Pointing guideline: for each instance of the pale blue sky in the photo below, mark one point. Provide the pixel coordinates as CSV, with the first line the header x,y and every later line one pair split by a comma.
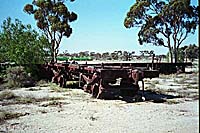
x,y
99,26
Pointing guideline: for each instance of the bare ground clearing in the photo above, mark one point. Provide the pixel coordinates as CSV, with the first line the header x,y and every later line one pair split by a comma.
x,y
172,105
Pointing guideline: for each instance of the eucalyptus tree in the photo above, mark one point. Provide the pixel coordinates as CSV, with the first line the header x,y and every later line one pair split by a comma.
x,y
163,22
125,55
105,55
84,53
52,17
98,56
192,52
119,54
114,55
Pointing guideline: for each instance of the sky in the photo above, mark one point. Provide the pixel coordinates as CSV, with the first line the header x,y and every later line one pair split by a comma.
x,y
99,27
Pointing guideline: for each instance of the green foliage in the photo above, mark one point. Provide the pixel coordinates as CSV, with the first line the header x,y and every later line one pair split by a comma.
x,y
172,20
52,17
192,52
181,54
22,45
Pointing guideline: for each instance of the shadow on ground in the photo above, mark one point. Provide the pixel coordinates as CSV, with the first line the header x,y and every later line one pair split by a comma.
x,y
148,96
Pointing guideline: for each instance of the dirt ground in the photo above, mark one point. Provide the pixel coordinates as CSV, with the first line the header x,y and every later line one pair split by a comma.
x,y
171,106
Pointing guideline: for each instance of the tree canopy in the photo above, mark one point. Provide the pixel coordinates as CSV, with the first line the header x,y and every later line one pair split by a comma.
x,y
22,45
163,23
190,52
52,17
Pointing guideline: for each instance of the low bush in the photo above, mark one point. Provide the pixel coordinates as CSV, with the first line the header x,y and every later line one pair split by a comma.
x,y
17,77
42,83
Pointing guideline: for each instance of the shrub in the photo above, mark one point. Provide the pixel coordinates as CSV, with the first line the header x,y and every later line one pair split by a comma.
x,y
42,83
17,77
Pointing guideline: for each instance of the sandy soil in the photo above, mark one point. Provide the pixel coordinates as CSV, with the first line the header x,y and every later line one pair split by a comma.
x,y
171,106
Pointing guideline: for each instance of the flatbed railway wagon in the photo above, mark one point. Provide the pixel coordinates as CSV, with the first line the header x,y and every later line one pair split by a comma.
x,y
103,80
109,80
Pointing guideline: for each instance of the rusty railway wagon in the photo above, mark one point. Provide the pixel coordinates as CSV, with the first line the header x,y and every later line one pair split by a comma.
x,y
109,80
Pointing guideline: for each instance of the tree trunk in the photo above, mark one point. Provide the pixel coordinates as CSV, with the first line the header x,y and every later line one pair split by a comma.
x,y
171,55
54,56
53,53
175,55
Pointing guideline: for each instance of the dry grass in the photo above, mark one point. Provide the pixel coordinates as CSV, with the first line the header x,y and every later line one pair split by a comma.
x,y
189,86
72,84
11,98
34,89
26,100
42,83
7,94
172,101
53,103
155,82
4,115
55,88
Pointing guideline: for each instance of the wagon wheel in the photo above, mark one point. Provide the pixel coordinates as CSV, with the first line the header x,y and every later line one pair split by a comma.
x,y
64,83
100,94
95,91
99,90
61,81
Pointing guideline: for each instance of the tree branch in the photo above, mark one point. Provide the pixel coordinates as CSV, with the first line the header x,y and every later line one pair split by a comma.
x,y
183,38
59,40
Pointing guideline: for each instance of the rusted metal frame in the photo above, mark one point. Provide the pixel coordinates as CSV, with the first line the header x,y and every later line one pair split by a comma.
x,y
88,75
137,76
91,83
105,86
96,88
59,76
